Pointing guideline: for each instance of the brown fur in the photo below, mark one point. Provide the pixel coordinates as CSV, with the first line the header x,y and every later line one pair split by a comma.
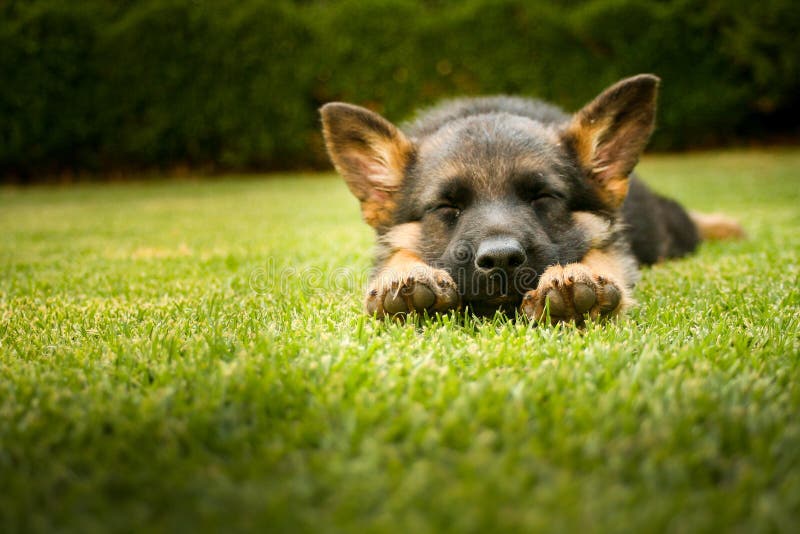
x,y
608,141
508,204
404,281
715,226
371,154
598,229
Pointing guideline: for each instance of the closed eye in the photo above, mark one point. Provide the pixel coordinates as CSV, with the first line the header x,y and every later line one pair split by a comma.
x,y
535,187
545,195
447,211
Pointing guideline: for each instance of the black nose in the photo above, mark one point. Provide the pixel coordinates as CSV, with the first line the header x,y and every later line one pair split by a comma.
x,y
500,253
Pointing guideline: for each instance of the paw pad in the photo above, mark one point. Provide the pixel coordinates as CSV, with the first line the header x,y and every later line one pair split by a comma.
x,y
570,294
426,289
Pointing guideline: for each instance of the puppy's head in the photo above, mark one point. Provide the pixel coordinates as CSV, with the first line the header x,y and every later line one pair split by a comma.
x,y
499,197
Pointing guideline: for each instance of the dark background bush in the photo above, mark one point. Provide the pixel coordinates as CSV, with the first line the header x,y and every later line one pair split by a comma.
x,y
96,86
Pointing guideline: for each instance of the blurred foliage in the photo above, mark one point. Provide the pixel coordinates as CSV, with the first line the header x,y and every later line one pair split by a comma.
x,y
99,85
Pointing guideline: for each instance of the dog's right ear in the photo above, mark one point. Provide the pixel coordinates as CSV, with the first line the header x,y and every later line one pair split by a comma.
x,y
371,154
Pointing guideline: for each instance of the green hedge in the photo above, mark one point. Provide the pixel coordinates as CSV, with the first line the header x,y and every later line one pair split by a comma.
x,y
103,85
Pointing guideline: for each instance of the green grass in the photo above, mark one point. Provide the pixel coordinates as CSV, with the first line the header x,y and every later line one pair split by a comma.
x,y
191,355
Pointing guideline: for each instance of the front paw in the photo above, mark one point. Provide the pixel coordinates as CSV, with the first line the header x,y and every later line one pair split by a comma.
x,y
421,288
572,292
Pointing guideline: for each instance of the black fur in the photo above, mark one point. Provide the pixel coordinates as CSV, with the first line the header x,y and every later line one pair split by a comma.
x,y
657,228
490,167
499,201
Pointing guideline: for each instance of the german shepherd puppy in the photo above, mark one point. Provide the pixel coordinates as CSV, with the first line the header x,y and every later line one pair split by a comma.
x,y
507,204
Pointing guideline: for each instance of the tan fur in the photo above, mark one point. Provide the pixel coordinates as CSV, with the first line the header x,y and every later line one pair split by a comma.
x,y
609,133
393,156
372,161
715,226
402,265
403,274
410,285
597,228
402,261
605,274
401,237
404,236
616,267
585,135
615,189
606,137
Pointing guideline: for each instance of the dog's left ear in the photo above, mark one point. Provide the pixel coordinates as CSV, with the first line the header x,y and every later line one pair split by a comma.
x,y
371,154
609,134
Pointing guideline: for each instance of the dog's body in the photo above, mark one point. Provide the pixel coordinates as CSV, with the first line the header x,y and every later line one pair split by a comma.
x,y
505,203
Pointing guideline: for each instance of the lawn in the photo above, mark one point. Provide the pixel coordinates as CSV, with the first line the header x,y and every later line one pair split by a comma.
x,y
190,355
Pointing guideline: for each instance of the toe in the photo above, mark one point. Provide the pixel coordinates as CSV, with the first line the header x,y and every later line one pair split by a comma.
x,y
557,305
583,297
448,299
529,305
394,303
422,298
446,294
372,306
611,298
373,302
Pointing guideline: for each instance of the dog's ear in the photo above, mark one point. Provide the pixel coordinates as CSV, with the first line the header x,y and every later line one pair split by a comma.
x,y
371,154
610,133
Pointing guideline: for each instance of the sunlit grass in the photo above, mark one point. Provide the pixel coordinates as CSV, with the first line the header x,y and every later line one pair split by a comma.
x,y
191,355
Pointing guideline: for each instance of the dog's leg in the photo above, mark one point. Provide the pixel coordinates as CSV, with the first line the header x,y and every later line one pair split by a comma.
x,y
599,286
403,283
